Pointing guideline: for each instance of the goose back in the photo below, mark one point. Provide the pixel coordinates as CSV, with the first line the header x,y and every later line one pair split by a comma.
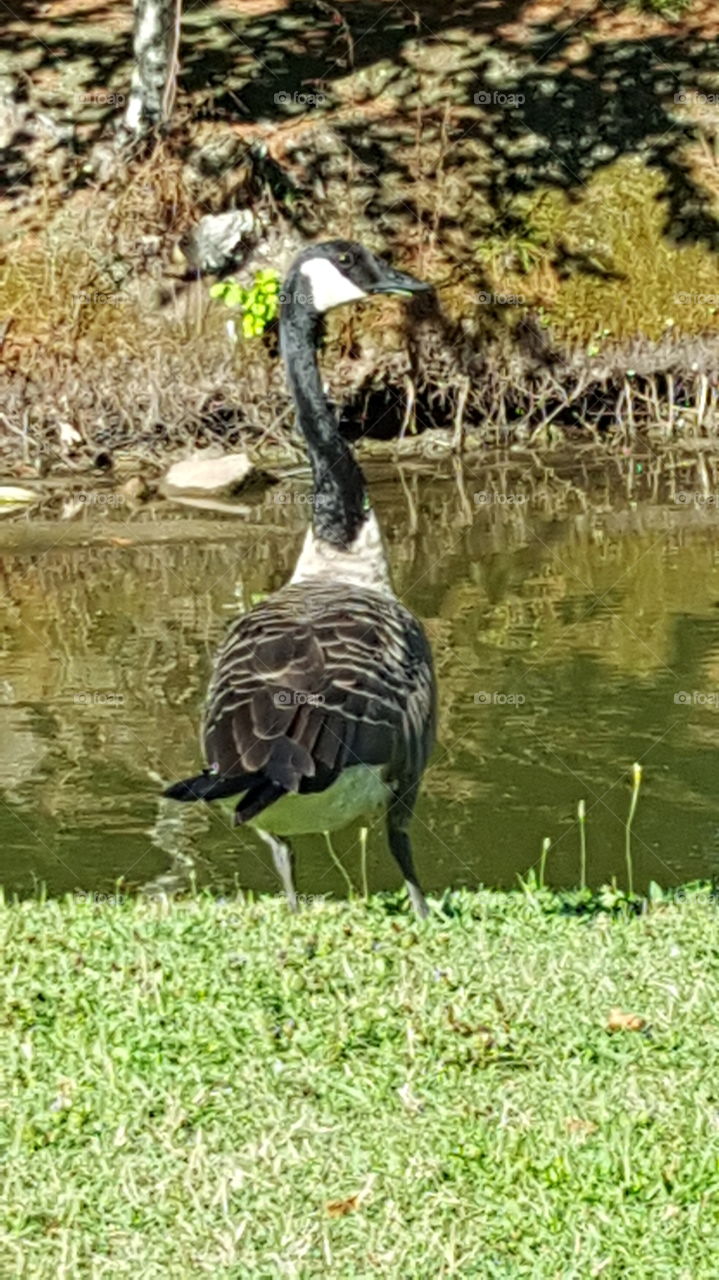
x,y
317,678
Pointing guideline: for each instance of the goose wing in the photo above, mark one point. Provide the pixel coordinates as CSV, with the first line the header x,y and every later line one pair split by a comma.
x,y
317,678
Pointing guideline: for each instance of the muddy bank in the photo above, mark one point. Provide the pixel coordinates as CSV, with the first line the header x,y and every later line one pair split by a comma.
x,y
609,488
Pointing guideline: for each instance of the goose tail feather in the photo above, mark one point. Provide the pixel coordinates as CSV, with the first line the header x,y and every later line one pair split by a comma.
x,y
207,786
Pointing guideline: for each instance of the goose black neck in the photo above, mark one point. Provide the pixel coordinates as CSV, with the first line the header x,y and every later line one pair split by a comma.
x,y
339,507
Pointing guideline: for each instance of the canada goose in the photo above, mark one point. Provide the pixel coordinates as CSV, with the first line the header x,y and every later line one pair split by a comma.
x,y
321,707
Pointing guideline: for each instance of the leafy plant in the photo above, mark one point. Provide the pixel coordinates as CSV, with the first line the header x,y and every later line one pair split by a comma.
x,y
259,304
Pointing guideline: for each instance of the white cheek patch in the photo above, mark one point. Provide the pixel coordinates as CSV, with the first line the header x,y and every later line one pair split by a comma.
x,y
329,287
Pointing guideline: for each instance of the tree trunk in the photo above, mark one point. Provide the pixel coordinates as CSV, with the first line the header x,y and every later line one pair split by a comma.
x,y
156,38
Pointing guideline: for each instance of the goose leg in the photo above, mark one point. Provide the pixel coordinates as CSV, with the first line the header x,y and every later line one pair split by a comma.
x,y
283,859
398,816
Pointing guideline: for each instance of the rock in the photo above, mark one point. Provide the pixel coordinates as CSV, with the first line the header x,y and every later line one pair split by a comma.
x,y
213,244
208,475
136,489
69,435
14,495
217,152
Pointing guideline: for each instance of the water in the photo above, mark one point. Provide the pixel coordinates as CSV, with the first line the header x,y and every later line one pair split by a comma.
x,y
564,635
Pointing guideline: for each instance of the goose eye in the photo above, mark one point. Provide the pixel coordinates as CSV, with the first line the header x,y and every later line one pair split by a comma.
x,y
344,259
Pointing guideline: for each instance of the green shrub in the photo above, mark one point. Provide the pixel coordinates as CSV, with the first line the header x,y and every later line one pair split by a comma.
x,y
259,304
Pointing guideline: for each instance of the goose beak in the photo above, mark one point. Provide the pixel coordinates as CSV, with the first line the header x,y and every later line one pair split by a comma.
x,y
393,281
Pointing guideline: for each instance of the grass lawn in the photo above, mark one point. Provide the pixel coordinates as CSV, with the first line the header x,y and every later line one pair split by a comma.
x,y
219,1089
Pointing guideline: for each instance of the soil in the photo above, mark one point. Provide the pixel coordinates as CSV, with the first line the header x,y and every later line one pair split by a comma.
x,y
552,168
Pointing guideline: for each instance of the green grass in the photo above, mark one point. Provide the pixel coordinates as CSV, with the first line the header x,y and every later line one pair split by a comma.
x,y
219,1089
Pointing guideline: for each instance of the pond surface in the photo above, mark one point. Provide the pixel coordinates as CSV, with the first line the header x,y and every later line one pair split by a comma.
x,y
571,640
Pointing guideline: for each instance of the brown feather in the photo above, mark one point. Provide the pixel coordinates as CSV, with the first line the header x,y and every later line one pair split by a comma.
x,y
319,677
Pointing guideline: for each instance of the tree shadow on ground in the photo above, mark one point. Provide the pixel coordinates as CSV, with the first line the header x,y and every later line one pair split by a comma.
x,y
511,105
521,104
513,111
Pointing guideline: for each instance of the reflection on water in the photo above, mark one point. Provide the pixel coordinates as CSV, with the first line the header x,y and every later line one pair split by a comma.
x,y
566,647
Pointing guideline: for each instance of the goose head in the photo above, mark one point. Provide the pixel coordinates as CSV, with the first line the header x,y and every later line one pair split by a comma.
x,y
337,271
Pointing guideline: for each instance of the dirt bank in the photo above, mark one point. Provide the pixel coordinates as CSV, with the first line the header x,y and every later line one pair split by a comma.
x,y
553,168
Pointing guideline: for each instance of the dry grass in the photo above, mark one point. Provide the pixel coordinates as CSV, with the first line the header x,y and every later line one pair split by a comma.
x,y
143,383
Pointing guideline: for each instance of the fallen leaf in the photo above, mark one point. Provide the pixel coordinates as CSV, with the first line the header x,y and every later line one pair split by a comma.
x,y
576,1125
620,1021
338,1208
467,1029
122,542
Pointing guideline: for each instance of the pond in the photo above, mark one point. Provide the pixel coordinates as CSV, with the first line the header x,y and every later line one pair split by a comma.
x,y
575,628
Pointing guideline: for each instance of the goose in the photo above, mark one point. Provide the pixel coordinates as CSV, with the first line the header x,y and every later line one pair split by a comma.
x,y
321,705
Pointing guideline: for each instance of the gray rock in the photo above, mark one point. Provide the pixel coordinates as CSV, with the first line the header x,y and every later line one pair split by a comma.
x,y
603,151
214,243
208,475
